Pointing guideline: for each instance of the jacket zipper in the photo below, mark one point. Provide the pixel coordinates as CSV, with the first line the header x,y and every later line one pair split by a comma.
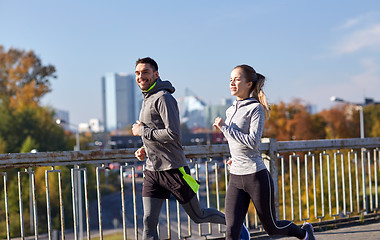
x,y
237,103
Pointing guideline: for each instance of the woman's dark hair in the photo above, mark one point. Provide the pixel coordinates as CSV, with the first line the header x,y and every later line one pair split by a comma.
x,y
258,83
149,61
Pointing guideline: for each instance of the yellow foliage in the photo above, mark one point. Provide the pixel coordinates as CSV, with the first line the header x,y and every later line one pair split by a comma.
x,y
24,80
27,96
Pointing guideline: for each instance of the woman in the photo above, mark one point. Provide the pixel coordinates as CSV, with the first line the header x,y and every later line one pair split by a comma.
x,y
249,178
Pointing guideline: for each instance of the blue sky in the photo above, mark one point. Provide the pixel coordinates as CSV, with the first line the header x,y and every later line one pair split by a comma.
x,y
307,49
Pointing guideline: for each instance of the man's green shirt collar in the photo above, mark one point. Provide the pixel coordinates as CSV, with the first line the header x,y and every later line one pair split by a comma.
x,y
154,84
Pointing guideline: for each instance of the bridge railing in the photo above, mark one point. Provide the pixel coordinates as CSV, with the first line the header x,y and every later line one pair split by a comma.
x,y
321,181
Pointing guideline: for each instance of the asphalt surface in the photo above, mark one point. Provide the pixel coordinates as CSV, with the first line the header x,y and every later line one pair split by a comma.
x,y
365,231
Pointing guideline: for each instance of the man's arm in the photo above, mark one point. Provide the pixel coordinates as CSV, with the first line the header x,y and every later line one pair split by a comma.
x,y
168,110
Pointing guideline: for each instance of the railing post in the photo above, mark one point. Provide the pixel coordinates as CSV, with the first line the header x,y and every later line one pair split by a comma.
x,y
274,172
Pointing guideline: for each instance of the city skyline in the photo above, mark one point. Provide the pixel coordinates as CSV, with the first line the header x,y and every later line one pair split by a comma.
x,y
118,101
307,50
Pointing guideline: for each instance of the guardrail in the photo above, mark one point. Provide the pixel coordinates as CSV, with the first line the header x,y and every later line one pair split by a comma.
x,y
327,180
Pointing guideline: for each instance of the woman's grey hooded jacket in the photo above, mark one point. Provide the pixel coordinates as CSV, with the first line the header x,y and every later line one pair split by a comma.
x,y
243,129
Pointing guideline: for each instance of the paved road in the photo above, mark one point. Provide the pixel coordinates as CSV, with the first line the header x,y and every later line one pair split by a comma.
x,y
367,231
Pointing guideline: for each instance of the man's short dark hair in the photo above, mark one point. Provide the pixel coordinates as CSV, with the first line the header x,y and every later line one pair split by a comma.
x,y
149,61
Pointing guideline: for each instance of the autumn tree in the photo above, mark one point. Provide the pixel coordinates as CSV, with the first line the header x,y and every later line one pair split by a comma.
x,y
23,78
372,120
276,125
293,122
24,123
28,145
342,122
36,123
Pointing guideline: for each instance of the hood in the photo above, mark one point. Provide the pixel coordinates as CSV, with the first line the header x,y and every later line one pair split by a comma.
x,y
245,102
160,85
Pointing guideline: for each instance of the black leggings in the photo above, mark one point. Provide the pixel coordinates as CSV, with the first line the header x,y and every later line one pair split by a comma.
x,y
258,187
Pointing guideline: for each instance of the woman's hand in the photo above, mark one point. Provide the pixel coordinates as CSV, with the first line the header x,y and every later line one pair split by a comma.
x,y
229,162
218,123
140,154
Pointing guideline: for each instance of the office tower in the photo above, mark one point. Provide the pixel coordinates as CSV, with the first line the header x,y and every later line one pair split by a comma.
x,y
118,99
192,111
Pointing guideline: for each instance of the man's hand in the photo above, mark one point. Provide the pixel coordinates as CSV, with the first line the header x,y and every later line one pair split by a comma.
x,y
218,123
136,127
140,154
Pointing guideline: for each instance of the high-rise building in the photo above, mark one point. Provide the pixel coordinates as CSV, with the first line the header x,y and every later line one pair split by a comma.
x,y
118,99
192,111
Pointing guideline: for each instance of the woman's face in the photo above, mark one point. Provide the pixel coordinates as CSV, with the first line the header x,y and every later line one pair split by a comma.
x,y
238,85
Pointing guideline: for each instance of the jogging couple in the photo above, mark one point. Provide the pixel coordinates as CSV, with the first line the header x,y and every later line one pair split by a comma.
x,y
167,171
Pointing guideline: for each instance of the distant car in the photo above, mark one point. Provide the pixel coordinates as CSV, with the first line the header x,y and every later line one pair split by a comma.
x,y
114,166
202,167
128,173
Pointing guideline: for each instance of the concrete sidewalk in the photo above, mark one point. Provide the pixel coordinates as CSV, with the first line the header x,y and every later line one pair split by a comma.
x,y
365,231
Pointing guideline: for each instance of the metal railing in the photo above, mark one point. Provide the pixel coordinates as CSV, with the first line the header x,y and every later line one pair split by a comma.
x,y
328,180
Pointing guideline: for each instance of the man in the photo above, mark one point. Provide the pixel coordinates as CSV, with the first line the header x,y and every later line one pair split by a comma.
x,y
166,166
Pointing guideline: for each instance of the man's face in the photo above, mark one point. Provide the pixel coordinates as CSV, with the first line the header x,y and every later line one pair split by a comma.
x,y
145,75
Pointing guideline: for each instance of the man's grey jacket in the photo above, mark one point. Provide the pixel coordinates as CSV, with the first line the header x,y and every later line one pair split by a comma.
x,y
161,133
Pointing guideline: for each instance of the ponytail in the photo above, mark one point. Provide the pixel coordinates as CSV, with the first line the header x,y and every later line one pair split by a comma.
x,y
259,94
